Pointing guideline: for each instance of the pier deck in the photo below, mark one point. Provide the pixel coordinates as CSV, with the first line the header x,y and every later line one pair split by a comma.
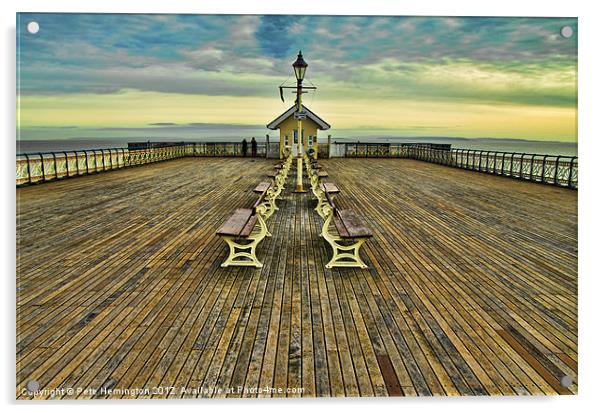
x,y
472,285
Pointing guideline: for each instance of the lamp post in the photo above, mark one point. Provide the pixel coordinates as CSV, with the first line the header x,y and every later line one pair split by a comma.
x,y
299,66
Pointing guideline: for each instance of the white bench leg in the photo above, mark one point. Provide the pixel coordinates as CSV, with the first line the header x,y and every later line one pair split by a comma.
x,y
345,252
319,194
242,254
346,255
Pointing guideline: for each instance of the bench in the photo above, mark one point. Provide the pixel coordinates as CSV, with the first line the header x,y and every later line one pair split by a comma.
x,y
280,174
269,193
321,191
279,180
320,188
247,227
351,233
243,231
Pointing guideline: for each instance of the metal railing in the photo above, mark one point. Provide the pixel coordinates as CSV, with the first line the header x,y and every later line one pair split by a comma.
x,y
549,169
225,149
559,170
556,170
49,166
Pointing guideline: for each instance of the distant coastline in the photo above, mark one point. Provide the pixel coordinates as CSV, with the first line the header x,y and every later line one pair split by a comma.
x,y
487,144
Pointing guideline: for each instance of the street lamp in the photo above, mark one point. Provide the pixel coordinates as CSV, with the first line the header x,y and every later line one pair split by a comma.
x,y
299,66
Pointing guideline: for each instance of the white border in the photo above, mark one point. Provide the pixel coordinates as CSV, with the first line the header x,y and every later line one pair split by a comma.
x,y
590,149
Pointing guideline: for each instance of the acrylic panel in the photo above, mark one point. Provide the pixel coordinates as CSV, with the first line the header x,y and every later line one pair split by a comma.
x,y
295,206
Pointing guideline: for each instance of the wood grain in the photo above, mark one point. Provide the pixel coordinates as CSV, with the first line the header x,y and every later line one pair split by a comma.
x,y
119,284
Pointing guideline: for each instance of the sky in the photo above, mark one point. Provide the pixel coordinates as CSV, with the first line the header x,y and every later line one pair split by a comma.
x,y
203,76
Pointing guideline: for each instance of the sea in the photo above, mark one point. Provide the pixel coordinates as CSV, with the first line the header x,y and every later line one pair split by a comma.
x,y
488,144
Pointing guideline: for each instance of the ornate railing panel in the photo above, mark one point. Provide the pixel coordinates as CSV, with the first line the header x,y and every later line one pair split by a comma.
x,y
556,170
549,169
49,166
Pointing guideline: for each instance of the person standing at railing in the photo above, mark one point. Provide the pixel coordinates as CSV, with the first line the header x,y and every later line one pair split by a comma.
x,y
244,147
253,147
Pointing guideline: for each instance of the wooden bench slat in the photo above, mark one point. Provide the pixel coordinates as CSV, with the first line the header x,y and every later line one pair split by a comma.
x,y
236,223
330,188
262,187
248,228
273,174
322,174
260,199
329,199
354,225
341,229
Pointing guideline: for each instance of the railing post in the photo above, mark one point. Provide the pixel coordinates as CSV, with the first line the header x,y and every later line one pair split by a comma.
x,y
42,166
543,169
95,160
66,164
56,171
267,145
28,168
556,170
570,182
487,162
531,170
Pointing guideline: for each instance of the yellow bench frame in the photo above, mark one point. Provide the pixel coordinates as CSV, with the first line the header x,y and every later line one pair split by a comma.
x,y
345,251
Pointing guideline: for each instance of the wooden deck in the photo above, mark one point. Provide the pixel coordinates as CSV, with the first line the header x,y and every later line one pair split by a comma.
x,y
471,290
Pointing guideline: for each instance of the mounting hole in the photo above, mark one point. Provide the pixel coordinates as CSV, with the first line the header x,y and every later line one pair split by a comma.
x,y
33,27
33,385
566,381
566,31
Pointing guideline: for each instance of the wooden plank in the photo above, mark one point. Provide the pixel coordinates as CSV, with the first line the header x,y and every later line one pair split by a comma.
x,y
391,381
340,226
354,225
533,362
236,224
248,228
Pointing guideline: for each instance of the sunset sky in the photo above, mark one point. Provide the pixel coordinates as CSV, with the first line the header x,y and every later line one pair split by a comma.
x,y
86,75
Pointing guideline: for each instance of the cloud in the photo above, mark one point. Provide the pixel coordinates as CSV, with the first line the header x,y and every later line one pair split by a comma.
x,y
487,60
274,36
